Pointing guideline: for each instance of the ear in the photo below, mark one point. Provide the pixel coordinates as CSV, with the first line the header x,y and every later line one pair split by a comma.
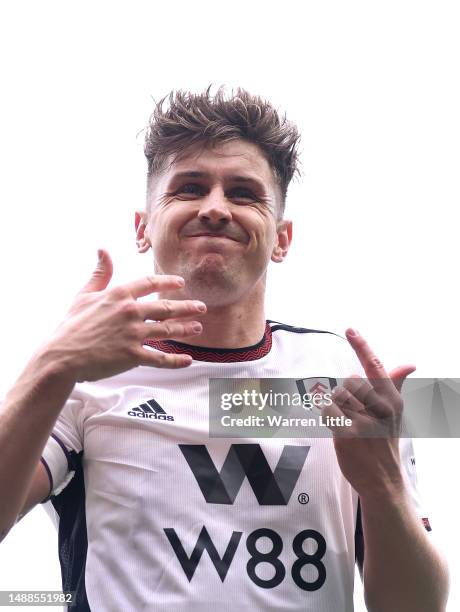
x,y
284,235
140,222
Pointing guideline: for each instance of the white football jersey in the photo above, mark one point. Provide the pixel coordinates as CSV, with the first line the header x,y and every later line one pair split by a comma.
x,y
153,514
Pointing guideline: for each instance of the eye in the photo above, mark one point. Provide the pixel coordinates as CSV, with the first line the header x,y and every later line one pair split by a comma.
x,y
242,193
191,189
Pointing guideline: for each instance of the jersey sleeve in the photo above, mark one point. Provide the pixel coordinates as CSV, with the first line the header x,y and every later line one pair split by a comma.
x,y
64,444
406,451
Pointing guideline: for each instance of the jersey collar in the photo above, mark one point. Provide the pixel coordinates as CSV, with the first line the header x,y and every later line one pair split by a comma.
x,y
223,355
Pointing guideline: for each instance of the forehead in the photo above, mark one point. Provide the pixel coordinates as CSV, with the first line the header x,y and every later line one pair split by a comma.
x,y
236,158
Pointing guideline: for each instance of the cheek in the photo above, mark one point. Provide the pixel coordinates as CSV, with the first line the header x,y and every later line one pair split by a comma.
x,y
259,224
264,237
163,231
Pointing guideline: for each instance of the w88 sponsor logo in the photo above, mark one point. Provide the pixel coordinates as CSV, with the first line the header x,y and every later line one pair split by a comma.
x,y
271,488
222,564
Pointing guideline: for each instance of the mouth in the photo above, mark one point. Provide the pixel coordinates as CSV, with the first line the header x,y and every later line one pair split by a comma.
x,y
214,236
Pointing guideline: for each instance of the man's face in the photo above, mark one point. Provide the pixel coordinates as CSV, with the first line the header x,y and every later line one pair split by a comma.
x,y
214,220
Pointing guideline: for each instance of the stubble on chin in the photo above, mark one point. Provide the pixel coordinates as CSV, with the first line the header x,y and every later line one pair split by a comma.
x,y
211,281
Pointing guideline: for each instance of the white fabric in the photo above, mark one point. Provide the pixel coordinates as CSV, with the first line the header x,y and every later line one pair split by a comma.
x,y
138,483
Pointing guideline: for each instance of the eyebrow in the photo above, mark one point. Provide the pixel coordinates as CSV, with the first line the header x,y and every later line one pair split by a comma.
x,y
235,178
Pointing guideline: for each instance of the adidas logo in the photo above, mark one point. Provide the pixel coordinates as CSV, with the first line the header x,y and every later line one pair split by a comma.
x,y
150,410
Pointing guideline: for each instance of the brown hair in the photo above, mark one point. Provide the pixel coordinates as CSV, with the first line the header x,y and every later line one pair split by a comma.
x,y
206,120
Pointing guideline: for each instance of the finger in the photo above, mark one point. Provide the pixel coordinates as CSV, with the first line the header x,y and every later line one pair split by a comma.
x,y
170,309
171,330
102,274
376,404
365,424
153,284
399,375
332,410
361,389
159,359
371,363
346,401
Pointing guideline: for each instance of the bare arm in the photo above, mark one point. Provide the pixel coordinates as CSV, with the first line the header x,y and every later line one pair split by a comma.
x,y
103,334
26,420
38,491
403,572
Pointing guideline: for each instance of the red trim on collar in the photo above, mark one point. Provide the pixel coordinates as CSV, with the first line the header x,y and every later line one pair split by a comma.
x,y
231,355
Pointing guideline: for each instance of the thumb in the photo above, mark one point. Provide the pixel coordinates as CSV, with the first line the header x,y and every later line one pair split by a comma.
x,y
101,275
399,375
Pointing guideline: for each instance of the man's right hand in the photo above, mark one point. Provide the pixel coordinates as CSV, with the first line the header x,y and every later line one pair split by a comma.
x,y
105,329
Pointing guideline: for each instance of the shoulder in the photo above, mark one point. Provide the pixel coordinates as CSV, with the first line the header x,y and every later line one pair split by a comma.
x,y
295,329
306,336
326,349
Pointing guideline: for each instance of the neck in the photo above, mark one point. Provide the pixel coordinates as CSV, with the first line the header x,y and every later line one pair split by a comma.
x,y
234,325
231,327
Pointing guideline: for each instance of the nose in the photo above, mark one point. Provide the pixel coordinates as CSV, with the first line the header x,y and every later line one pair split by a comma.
x,y
214,208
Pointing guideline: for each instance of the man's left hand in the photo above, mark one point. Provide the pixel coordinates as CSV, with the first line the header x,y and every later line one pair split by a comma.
x,y
368,451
